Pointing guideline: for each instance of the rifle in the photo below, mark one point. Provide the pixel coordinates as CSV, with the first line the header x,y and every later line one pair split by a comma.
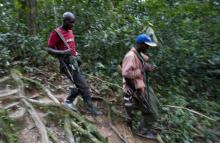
x,y
61,59
145,99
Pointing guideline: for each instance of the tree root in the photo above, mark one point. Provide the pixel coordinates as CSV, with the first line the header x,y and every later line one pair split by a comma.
x,y
84,132
75,115
110,107
85,128
117,133
46,90
19,115
39,124
12,105
4,79
7,93
67,128
52,136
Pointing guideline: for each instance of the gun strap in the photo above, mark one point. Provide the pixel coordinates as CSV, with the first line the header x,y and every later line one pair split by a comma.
x,y
61,60
67,70
146,76
62,38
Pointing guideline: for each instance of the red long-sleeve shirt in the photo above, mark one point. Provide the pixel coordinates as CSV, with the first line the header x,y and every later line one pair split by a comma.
x,y
56,42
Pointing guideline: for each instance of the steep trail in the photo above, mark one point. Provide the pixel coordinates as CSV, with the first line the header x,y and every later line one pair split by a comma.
x,y
116,132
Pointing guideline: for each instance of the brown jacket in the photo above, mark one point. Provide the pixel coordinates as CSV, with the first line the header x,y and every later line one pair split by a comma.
x,y
132,69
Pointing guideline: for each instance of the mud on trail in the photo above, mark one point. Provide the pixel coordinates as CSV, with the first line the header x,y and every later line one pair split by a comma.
x,y
37,108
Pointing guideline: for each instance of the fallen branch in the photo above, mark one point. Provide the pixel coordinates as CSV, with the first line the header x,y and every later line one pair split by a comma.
x,y
190,110
67,128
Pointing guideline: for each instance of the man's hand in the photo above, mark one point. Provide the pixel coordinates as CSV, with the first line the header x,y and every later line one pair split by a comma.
x,y
148,67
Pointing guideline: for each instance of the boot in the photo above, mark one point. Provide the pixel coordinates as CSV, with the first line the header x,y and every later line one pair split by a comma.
x,y
147,133
70,106
91,109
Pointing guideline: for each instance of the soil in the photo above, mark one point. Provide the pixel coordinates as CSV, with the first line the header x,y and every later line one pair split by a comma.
x,y
29,132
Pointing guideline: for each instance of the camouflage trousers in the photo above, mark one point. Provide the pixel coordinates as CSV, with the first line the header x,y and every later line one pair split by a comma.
x,y
147,103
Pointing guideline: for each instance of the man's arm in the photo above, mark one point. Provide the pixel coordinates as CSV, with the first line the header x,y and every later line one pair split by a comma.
x,y
53,51
128,70
53,41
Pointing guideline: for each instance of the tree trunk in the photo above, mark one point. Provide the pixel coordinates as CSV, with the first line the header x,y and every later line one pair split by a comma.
x,y
32,16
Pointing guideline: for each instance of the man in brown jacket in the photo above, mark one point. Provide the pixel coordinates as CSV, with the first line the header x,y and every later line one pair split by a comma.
x,y
137,93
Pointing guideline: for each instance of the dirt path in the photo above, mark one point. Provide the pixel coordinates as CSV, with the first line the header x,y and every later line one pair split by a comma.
x,y
29,132
102,124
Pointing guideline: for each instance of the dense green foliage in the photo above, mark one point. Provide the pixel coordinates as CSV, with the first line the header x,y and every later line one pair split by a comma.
x,y
188,55
8,130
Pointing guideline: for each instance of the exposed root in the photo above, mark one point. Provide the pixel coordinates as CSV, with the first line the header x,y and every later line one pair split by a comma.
x,y
7,93
67,128
39,124
12,105
53,137
84,132
19,114
4,79
79,118
46,90
109,104
117,133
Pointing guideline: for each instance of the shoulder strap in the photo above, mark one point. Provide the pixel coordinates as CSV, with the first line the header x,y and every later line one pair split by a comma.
x,y
62,38
146,75
139,57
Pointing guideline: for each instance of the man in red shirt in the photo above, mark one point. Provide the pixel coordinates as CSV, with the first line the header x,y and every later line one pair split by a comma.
x,y
67,53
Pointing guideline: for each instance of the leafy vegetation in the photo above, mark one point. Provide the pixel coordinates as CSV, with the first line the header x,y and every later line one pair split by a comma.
x,y
188,55
8,130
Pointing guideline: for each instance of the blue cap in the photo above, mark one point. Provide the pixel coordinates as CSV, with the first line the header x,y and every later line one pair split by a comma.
x,y
143,38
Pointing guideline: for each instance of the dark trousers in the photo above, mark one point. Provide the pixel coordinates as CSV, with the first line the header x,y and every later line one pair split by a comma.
x,y
78,79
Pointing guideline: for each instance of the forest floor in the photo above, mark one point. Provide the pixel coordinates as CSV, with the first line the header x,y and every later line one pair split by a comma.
x,y
114,129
